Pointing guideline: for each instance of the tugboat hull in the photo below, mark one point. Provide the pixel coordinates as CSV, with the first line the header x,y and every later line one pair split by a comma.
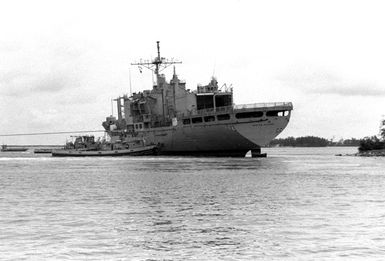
x,y
142,151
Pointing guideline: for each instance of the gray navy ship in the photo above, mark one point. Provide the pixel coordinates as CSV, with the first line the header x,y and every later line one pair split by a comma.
x,y
203,122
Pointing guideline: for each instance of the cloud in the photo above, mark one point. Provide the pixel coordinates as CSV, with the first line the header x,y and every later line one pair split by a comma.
x,y
354,89
318,81
32,69
43,118
25,83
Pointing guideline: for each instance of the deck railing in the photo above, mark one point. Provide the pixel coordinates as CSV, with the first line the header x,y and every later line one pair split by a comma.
x,y
263,105
230,109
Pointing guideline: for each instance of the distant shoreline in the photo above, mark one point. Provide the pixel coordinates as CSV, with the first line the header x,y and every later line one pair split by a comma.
x,y
313,141
300,146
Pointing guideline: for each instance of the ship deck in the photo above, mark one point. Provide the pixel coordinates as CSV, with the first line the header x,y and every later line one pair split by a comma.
x,y
288,106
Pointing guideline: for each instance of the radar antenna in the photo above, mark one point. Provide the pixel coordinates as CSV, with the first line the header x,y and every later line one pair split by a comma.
x,y
158,64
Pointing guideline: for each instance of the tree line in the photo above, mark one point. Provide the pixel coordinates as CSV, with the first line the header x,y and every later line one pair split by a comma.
x,y
312,141
368,143
374,142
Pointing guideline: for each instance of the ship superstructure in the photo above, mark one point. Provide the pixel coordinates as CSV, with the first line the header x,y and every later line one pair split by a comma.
x,y
201,122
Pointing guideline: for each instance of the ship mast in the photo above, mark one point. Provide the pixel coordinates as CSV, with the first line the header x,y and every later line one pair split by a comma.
x,y
157,65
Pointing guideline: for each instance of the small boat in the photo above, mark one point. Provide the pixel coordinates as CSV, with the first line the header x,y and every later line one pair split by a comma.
x,y
142,151
86,146
5,148
41,151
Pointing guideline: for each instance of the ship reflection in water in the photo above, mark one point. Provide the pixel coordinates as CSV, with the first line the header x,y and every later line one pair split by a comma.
x,y
298,204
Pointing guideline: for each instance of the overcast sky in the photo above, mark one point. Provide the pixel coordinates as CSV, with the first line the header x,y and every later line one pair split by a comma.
x,y
61,62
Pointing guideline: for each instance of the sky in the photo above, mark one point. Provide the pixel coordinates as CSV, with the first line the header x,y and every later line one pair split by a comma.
x,y
61,62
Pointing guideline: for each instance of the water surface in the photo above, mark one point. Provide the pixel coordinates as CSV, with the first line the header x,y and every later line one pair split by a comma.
x,y
297,204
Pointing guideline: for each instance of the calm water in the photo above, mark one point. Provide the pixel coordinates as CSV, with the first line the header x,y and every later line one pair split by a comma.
x,y
297,204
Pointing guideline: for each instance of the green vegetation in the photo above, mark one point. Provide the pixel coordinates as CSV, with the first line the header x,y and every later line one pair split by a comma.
x,y
366,144
312,141
348,142
371,143
308,141
374,143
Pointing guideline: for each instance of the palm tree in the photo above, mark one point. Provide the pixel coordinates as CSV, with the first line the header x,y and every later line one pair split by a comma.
x,y
382,130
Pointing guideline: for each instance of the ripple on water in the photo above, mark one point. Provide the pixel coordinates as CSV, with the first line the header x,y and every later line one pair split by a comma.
x,y
296,204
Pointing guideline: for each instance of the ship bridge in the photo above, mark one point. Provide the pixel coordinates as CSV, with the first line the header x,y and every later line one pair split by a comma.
x,y
211,97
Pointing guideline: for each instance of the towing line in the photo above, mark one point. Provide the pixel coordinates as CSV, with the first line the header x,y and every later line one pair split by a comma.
x,y
48,133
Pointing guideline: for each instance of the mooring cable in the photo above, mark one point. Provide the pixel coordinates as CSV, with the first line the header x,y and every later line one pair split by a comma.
x,y
47,133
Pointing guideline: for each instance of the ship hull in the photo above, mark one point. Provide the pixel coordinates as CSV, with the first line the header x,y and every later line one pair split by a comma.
x,y
232,139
